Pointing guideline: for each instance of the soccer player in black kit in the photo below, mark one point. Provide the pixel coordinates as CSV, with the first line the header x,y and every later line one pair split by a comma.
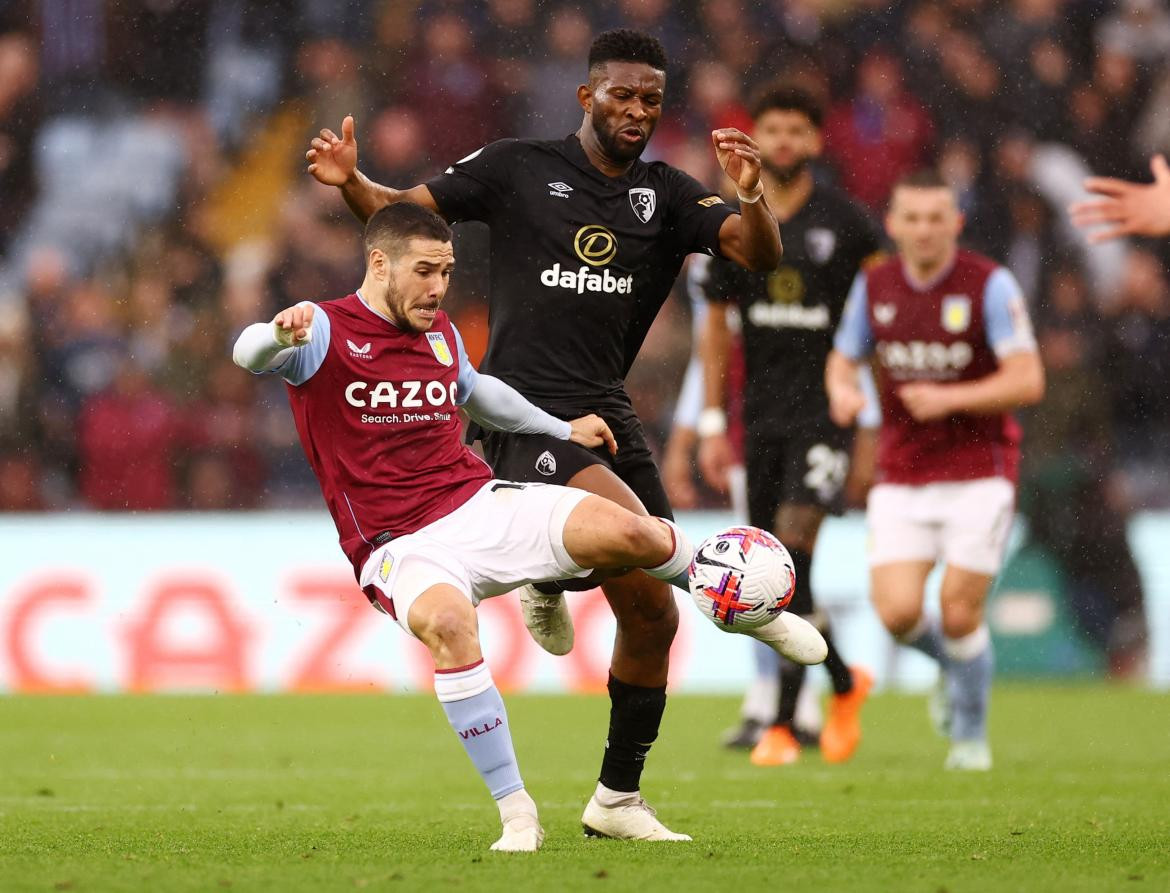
x,y
797,459
586,242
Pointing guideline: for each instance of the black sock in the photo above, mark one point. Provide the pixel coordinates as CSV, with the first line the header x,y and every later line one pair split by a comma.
x,y
802,600
791,679
635,714
839,671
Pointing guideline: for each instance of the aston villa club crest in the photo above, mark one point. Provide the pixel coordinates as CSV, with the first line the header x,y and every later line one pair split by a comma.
x,y
884,313
956,313
439,348
643,200
820,244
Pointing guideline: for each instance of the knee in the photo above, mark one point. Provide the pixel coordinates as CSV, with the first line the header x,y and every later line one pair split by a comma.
x,y
645,538
959,620
898,618
445,626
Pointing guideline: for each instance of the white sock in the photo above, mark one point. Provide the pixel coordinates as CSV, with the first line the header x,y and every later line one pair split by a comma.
x,y
680,559
609,798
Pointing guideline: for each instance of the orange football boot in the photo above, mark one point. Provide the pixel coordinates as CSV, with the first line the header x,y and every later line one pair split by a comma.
x,y
776,747
842,731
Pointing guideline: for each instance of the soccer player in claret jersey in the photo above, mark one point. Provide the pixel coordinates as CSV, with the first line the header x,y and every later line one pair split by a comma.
x,y
955,355
376,380
586,241
797,459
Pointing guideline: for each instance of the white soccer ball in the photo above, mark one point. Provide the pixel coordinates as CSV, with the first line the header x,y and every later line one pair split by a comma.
x,y
741,578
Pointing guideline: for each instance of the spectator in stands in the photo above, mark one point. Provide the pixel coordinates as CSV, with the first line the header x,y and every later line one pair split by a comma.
x,y
19,119
1137,355
879,134
1070,490
128,443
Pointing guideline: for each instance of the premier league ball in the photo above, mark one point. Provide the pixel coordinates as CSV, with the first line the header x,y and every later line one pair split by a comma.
x,y
741,578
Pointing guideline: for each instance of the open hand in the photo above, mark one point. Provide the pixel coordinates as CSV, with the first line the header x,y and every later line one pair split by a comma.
x,y
591,431
739,156
293,325
1129,209
332,159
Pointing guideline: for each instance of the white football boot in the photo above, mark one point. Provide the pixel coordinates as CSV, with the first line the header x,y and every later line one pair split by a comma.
x,y
969,756
522,834
630,820
548,620
522,831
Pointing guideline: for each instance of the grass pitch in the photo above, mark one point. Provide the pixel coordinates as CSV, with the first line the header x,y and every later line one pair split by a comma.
x,y
341,793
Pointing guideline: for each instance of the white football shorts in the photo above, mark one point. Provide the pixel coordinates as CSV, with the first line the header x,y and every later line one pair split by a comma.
x,y
961,523
508,534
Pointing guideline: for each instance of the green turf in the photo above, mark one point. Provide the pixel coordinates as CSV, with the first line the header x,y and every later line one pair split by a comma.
x,y
342,793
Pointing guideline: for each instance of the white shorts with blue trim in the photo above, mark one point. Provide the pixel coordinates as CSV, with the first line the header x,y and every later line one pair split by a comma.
x,y
507,535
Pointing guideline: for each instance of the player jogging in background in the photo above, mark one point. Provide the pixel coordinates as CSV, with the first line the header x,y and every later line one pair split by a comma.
x,y
376,380
797,459
955,354
586,241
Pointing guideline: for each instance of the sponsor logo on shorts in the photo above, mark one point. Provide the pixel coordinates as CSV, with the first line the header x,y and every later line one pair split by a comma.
x,y
385,568
643,201
546,464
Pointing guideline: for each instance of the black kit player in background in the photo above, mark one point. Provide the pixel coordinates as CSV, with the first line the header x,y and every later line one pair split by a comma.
x,y
797,460
586,242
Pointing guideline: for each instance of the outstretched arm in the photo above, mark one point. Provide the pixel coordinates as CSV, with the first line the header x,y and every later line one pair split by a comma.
x,y
1128,209
266,346
751,238
333,161
498,406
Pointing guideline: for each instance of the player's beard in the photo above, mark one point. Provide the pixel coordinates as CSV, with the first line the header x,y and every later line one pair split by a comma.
x,y
399,312
785,174
611,145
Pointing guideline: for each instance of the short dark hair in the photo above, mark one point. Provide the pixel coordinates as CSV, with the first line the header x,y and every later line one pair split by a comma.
x,y
925,178
392,226
626,45
788,98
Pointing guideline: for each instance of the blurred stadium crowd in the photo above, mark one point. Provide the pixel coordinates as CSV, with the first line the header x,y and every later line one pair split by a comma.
x,y
151,178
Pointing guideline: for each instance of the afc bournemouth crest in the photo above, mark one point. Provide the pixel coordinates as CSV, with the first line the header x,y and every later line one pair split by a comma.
x,y
643,201
546,464
439,348
956,313
820,244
